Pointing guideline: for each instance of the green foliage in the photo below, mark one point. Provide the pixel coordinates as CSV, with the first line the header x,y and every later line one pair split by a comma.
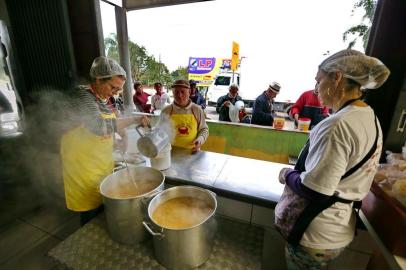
x,y
180,74
363,29
144,67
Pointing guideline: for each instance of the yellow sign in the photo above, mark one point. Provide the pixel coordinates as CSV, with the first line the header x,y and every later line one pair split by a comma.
x,y
235,56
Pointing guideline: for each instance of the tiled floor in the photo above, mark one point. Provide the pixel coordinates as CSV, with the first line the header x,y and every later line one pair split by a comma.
x,y
26,239
27,236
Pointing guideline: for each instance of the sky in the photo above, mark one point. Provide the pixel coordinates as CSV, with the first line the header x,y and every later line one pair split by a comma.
x,y
281,41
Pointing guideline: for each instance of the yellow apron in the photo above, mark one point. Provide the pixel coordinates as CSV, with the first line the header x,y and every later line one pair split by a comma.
x,y
185,126
86,160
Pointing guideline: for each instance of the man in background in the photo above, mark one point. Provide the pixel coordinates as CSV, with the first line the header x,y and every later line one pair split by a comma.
x,y
262,113
223,103
160,99
195,95
308,106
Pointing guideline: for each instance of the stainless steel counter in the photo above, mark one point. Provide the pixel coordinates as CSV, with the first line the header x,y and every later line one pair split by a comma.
x,y
239,178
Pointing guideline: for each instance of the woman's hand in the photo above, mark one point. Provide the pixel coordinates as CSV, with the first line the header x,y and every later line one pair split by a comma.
x,y
282,175
145,121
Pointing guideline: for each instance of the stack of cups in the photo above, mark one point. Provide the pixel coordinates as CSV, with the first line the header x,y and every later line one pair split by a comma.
x,y
304,124
278,122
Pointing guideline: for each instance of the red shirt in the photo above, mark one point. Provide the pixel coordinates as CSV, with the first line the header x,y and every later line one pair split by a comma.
x,y
308,98
140,100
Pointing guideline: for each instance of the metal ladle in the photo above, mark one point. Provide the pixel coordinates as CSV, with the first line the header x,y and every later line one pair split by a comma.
x,y
128,170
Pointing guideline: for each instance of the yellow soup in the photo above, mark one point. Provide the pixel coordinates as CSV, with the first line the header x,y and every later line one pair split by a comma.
x,y
181,213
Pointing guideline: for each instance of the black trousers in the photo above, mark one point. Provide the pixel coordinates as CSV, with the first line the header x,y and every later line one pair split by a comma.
x,y
86,216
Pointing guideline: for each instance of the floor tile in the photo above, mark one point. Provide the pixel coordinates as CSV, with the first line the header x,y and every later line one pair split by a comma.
x,y
363,242
16,238
273,253
350,260
48,219
67,228
33,257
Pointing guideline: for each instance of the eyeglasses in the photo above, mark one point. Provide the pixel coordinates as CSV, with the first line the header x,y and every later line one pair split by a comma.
x,y
115,88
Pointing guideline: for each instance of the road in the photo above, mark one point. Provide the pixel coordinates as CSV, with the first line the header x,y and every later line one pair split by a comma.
x,y
211,113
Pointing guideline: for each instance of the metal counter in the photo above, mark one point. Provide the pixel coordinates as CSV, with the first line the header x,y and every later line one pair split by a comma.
x,y
235,177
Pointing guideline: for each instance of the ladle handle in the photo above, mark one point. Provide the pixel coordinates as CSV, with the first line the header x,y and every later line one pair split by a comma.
x,y
137,128
160,234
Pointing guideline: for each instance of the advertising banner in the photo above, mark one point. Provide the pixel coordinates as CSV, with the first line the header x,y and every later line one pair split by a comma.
x,y
204,69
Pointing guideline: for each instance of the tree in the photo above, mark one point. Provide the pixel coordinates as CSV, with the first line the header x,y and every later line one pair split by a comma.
x,y
180,73
363,29
144,67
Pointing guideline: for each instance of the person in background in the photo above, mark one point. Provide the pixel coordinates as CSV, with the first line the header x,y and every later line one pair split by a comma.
x,y
140,98
195,95
160,99
262,112
224,102
87,147
350,136
308,106
188,120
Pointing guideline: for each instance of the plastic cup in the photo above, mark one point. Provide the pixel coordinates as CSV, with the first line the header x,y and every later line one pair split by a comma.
x,y
304,124
278,122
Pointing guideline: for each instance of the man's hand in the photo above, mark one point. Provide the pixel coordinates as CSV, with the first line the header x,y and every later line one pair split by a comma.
x,y
296,118
227,103
282,175
196,146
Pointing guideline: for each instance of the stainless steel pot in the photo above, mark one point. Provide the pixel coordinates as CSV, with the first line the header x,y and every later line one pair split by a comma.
x,y
126,212
183,248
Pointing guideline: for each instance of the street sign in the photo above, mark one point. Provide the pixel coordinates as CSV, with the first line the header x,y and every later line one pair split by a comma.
x,y
235,56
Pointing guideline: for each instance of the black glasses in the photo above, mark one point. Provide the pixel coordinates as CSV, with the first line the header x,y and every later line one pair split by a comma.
x,y
114,88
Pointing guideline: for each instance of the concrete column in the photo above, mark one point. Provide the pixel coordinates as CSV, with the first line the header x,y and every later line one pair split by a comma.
x,y
122,39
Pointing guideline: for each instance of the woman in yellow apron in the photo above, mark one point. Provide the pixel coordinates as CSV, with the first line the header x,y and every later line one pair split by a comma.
x,y
86,149
188,119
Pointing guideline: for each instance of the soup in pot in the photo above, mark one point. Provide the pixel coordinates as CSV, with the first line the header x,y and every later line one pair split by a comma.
x,y
129,190
182,212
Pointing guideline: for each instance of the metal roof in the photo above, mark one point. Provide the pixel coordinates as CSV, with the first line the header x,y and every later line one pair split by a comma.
x,y
142,4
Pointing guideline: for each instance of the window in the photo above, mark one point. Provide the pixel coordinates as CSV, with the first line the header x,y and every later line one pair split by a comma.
x,y
221,80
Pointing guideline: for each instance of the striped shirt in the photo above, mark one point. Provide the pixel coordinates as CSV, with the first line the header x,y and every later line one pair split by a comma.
x,y
87,109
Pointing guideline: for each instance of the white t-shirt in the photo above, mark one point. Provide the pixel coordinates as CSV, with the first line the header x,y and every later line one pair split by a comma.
x,y
158,102
337,144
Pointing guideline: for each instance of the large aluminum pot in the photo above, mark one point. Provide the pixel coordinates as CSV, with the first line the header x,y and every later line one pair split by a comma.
x,y
183,248
125,204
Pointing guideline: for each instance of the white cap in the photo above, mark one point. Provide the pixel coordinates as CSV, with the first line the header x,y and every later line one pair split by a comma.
x,y
104,67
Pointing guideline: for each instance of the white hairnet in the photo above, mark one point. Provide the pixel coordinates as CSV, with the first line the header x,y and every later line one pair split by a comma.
x,y
104,67
368,71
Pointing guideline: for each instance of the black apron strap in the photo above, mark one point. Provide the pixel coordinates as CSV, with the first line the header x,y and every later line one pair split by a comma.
x,y
308,214
368,156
